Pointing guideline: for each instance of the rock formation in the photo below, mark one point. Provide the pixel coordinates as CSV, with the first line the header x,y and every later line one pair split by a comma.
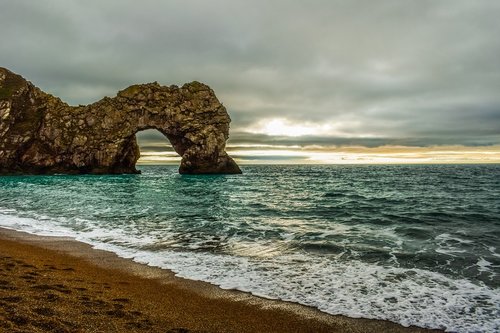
x,y
40,134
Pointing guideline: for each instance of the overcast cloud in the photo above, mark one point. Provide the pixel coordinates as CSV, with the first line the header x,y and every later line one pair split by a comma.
x,y
373,72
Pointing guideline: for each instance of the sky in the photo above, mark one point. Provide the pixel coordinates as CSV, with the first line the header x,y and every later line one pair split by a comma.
x,y
320,81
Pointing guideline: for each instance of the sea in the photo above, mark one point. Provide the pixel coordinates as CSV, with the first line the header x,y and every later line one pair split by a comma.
x,y
413,244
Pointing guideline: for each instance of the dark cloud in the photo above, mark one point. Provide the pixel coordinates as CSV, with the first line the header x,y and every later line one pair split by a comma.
x,y
383,72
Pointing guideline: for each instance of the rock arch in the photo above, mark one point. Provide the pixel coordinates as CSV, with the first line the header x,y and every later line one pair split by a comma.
x,y
41,134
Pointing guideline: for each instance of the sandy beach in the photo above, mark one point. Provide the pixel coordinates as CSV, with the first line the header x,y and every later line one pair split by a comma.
x,y
50,284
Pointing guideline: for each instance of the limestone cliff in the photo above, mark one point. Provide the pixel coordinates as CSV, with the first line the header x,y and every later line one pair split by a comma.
x,y
40,134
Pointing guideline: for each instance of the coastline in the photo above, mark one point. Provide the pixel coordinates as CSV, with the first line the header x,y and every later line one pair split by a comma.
x,y
62,285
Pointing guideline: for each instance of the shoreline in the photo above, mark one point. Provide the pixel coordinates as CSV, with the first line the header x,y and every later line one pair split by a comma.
x,y
119,294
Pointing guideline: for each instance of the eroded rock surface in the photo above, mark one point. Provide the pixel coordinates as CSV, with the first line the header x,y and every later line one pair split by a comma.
x,y
41,134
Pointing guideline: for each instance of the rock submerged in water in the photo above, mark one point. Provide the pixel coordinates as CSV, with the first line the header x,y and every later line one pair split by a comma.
x,y
40,134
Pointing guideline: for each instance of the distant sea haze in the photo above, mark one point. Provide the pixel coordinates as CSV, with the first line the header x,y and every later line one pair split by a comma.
x,y
414,244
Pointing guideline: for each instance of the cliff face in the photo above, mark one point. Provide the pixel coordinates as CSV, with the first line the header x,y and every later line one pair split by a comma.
x,y
41,134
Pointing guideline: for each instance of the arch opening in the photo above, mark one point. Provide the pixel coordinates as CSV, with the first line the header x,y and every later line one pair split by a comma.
x,y
155,149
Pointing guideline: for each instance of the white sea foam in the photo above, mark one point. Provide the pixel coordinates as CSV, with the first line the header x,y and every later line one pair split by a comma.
x,y
447,244
32,226
493,252
484,265
410,297
355,289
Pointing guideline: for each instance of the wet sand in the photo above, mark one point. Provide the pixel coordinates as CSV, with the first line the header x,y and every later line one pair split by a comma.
x,y
53,284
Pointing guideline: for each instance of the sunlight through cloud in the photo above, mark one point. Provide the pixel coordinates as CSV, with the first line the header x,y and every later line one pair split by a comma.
x,y
283,127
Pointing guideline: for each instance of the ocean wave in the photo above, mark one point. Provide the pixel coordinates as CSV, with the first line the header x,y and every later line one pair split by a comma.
x,y
353,288
403,243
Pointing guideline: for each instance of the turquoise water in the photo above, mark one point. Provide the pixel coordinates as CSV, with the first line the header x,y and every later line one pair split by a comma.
x,y
417,245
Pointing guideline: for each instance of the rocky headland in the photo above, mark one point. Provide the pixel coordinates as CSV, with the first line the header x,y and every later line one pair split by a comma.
x,y
40,134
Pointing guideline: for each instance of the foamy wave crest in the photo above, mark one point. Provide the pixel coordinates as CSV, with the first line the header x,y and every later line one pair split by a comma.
x,y
32,226
356,289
